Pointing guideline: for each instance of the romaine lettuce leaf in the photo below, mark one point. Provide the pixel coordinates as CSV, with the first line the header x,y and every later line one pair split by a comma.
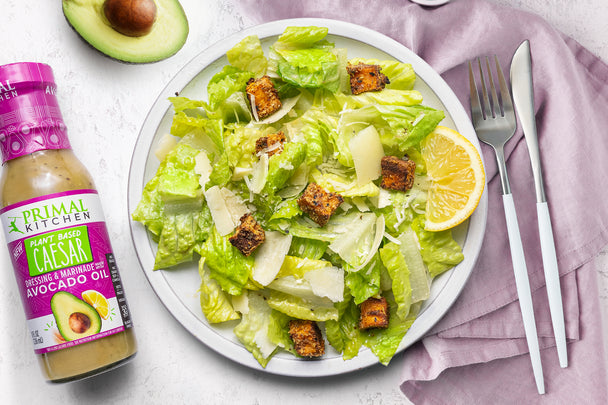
x,y
344,334
298,266
215,303
300,37
248,56
278,331
310,68
177,239
307,248
281,166
420,280
439,250
224,83
252,331
175,181
300,308
393,260
384,97
364,283
184,103
385,342
226,263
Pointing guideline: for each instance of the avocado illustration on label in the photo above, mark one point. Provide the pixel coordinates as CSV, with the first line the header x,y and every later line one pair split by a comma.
x,y
75,318
134,31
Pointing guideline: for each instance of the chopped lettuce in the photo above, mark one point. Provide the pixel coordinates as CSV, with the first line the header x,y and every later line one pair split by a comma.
x,y
253,330
305,60
215,303
439,250
226,263
248,56
283,165
395,263
224,83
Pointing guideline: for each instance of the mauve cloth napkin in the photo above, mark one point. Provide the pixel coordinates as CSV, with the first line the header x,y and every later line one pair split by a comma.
x,y
477,353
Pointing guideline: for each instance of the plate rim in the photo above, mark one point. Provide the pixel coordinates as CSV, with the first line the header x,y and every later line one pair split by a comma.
x,y
283,366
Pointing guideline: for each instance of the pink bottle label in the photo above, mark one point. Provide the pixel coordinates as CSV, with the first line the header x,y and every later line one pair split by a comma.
x,y
65,269
30,118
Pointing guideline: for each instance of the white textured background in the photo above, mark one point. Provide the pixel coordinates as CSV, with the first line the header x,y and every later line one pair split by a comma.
x,y
104,104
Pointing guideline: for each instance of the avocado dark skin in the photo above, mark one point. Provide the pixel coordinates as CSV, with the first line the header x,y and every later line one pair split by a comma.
x,y
133,18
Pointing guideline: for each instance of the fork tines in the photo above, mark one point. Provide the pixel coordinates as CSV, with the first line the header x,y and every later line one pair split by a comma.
x,y
500,104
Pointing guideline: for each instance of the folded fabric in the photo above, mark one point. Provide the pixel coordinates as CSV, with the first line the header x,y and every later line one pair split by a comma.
x,y
476,353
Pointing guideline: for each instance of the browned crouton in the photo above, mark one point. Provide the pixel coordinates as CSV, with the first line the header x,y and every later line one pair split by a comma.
x,y
374,313
269,143
307,338
318,203
365,77
397,174
263,96
248,236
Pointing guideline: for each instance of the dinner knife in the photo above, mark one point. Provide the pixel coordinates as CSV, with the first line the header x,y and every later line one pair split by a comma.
x,y
523,97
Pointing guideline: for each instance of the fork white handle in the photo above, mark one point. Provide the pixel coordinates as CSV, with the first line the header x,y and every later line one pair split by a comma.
x,y
523,290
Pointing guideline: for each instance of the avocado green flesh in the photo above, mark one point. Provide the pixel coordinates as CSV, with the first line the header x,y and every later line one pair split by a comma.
x,y
167,36
63,305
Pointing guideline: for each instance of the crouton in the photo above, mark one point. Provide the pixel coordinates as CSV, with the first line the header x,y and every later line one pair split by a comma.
x,y
318,203
263,96
268,144
248,236
307,338
397,174
374,313
365,77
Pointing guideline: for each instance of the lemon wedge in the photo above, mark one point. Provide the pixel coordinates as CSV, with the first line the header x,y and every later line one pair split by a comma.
x,y
457,178
97,301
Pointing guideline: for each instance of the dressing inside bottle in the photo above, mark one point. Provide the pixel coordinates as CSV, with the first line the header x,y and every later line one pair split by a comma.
x,y
74,302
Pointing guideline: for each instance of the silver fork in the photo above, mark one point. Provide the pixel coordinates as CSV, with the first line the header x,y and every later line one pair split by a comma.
x,y
494,122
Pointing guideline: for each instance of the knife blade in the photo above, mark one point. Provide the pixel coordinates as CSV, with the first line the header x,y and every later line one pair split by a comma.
x,y
523,98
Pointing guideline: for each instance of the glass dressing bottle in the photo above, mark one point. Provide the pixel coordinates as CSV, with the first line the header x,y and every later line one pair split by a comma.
x,y
75,307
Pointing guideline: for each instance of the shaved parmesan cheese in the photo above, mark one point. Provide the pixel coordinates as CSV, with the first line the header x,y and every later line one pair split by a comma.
x,y
203,167
240,303
165,144
270,256
367,153
240,172
226,209
286,106
219,212
327,282
259,174
383,199
254,108
235,205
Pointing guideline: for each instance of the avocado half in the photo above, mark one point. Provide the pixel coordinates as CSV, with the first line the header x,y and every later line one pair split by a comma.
x,y
75,318
167,36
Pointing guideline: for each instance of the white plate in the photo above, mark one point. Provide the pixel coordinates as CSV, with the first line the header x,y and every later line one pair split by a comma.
x,y
177,288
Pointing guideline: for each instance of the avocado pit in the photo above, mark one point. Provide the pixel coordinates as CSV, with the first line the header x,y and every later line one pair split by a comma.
x,y
79,322
133,18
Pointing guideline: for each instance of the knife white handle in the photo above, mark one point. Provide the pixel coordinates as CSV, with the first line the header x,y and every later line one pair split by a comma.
x,y
523,290
547,246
